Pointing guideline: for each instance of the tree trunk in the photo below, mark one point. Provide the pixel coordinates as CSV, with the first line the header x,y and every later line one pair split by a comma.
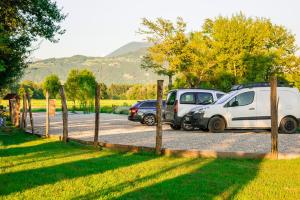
x,y
30,112
17,117
74,106
47,115
274,118
24,114
11,111
158,117
170,85
97,101
64,113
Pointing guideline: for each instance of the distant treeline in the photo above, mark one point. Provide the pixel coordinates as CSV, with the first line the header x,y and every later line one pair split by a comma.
x,y
113,91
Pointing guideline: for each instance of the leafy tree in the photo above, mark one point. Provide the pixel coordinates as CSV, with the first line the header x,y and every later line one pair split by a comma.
x,y
80,85
72,86
87,85
196,61
237,49
103,91
141,92
168,40
118,91
21,23
35,90
250,49
52,84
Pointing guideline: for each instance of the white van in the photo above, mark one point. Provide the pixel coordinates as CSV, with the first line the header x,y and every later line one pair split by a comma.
x,y
249,107
181,101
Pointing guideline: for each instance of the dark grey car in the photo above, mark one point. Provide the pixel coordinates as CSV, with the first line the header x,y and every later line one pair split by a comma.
x,y
144,112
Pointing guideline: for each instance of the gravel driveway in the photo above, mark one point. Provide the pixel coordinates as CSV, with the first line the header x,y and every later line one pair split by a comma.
x,y
117,129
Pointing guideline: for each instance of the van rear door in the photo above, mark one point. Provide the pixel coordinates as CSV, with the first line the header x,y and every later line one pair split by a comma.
x,y
170,105
263,109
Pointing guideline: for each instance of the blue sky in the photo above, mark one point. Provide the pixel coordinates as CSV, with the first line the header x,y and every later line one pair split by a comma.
x,y
97,27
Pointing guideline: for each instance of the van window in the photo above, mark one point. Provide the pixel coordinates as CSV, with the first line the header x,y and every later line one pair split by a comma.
x,y
188,98
242,99
204,98
171,98
225,97
219,95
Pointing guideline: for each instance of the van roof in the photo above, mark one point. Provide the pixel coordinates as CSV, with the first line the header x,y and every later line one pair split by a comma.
x,y
196,89
259,84
294,89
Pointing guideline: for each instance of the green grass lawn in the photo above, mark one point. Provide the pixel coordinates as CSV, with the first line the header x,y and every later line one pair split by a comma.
x,y
35,168
41,103
106,105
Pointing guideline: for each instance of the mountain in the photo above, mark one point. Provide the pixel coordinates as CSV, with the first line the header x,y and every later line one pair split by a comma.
x,y
129,48
121,66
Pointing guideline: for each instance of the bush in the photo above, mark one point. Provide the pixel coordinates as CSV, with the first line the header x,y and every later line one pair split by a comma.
x,y
106,109
121,110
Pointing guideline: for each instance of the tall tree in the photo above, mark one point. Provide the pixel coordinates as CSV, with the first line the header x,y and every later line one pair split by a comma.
x,y
103,91
72,86
237,49
250,49
52,85
21,23
168,40
87,86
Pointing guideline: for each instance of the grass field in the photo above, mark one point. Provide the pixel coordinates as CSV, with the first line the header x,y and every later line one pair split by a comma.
x,y
106,105
35,168
41,103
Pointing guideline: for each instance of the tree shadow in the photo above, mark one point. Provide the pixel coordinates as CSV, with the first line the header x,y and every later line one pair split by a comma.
x,y
89,163
222,178
14,136
125,184
26,179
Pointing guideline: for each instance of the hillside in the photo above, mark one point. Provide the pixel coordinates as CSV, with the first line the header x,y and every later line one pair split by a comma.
x,y
123,68
131,47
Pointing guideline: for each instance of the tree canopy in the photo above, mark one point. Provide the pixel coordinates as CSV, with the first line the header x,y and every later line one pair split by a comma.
x,y
168,40
225,51
52,85
21,23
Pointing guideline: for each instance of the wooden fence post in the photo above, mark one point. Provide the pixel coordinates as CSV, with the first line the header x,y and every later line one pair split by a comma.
x,y
24,113
158,117
47,115
97,101
17,113
64,113
30,112
11,110
274,118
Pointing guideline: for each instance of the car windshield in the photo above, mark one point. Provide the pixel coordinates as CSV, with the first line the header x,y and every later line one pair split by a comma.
x,y
225,97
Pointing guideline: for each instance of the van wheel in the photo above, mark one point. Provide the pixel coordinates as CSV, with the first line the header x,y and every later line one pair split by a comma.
x,y
186,126
149,120
288,125
216,125
175,127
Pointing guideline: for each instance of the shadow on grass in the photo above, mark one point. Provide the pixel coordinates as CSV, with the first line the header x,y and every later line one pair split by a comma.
x,y
222,178
23,180
19,181
126,184
13,136
206,179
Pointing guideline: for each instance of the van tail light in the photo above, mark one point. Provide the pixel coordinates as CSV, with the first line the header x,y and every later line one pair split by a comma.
x,y
176,106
